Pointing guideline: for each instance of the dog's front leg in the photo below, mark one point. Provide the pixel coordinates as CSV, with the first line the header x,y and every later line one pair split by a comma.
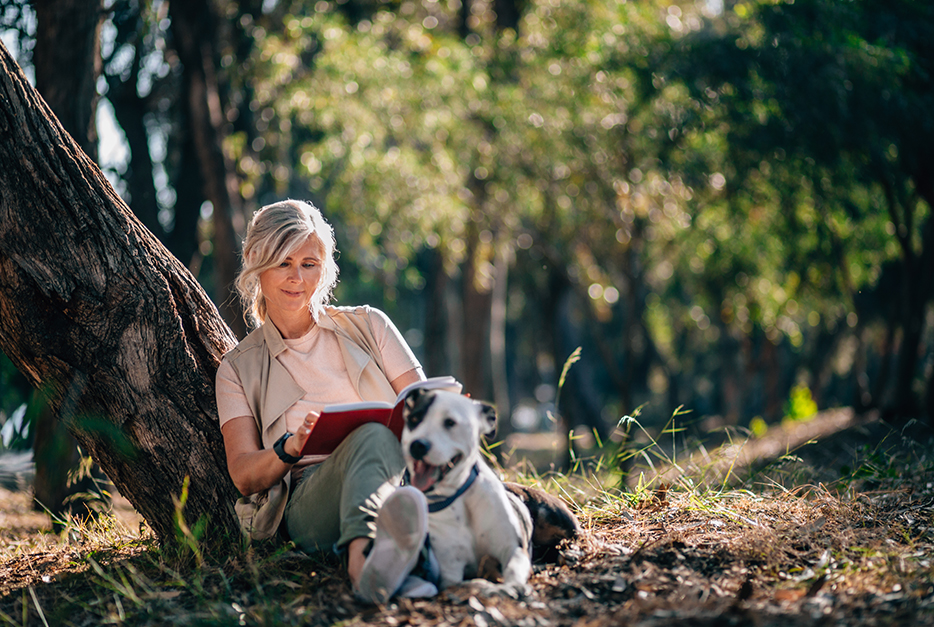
x,y
513,576
517,568
452,559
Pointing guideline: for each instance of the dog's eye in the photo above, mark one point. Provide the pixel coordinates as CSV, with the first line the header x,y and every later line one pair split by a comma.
x,y
449,423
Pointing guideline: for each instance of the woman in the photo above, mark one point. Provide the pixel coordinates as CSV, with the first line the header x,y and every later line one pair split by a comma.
x,y
302,356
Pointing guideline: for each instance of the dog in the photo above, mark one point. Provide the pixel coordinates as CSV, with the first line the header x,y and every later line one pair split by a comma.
x,y
476,526
554,526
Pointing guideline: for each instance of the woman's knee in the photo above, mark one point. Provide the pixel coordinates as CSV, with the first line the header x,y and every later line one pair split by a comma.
x,y
373,434
374,428
375,440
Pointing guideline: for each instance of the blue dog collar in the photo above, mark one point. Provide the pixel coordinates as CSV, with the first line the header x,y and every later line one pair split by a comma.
x,y
437,506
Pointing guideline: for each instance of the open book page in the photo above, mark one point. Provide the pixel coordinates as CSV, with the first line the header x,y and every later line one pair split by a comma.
x,y
447,383
359,405
337,421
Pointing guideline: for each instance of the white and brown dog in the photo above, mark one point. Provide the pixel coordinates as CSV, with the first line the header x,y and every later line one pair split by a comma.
x,y
476,525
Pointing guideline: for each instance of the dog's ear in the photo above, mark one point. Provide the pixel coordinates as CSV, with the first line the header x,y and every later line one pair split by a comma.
x,y
487,419
415,405
411,399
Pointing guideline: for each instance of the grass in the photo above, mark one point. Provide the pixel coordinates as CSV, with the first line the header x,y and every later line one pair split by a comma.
x,y
687,530
870,527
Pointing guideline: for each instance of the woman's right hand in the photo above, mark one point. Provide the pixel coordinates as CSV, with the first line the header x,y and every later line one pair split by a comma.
x,y
252,467
294,445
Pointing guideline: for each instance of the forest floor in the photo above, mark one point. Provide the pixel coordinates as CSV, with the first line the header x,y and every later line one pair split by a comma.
x,y
828,522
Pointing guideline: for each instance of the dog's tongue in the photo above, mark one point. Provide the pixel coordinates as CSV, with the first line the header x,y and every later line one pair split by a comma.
x,y
424,475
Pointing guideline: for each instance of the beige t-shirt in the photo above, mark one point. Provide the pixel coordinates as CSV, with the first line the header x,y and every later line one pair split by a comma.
x,y
315,363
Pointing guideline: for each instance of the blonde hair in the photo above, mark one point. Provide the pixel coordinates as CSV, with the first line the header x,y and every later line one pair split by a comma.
x,y
275,232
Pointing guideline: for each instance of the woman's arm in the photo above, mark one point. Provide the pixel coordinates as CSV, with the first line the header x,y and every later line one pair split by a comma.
x,y
252,467
407,378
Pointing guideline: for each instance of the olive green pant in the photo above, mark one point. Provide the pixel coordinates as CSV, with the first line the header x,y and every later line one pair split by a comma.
x,y
337,500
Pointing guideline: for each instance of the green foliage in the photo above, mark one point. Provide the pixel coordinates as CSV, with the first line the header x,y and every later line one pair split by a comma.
x,y
381,120
188,537
800,405
819,107
874,464
758,426
702,182
710,188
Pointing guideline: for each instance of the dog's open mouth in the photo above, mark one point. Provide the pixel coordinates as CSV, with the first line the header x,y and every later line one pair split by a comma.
x,y
424,476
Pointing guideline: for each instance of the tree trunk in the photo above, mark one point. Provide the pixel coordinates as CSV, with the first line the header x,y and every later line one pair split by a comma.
x,y
770,366
508,14
436,332
130,110
95,310
189,196
193,26
558,285
56,455
67,62
476,322
498,366
915,295
924,181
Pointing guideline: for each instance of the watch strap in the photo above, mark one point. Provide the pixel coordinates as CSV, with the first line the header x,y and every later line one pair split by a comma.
x,y
279,448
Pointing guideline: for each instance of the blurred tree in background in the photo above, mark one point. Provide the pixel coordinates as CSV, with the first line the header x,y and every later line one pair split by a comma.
x,y
826,104
717,201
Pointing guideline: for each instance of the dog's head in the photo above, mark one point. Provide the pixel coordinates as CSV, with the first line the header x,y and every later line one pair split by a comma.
x,y
441,438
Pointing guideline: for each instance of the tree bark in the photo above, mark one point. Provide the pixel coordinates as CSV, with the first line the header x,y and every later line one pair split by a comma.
x,y
94,309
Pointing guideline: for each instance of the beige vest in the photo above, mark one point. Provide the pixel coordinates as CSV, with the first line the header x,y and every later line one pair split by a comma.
x,y
270,391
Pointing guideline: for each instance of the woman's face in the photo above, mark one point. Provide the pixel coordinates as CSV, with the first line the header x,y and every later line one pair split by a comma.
x,y
288,287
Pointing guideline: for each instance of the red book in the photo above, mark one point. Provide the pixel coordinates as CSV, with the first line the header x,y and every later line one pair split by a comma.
x,y
337,421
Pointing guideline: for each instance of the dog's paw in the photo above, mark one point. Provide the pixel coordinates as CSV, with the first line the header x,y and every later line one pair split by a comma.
x,y
518,590
485,588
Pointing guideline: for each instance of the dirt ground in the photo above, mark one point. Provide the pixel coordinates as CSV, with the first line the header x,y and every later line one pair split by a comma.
x,y
853,546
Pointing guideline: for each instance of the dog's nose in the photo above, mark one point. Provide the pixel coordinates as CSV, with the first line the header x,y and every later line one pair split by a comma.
x,y
419,448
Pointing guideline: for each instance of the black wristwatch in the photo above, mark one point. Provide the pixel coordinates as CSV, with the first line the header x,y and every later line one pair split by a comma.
x,y
279,448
